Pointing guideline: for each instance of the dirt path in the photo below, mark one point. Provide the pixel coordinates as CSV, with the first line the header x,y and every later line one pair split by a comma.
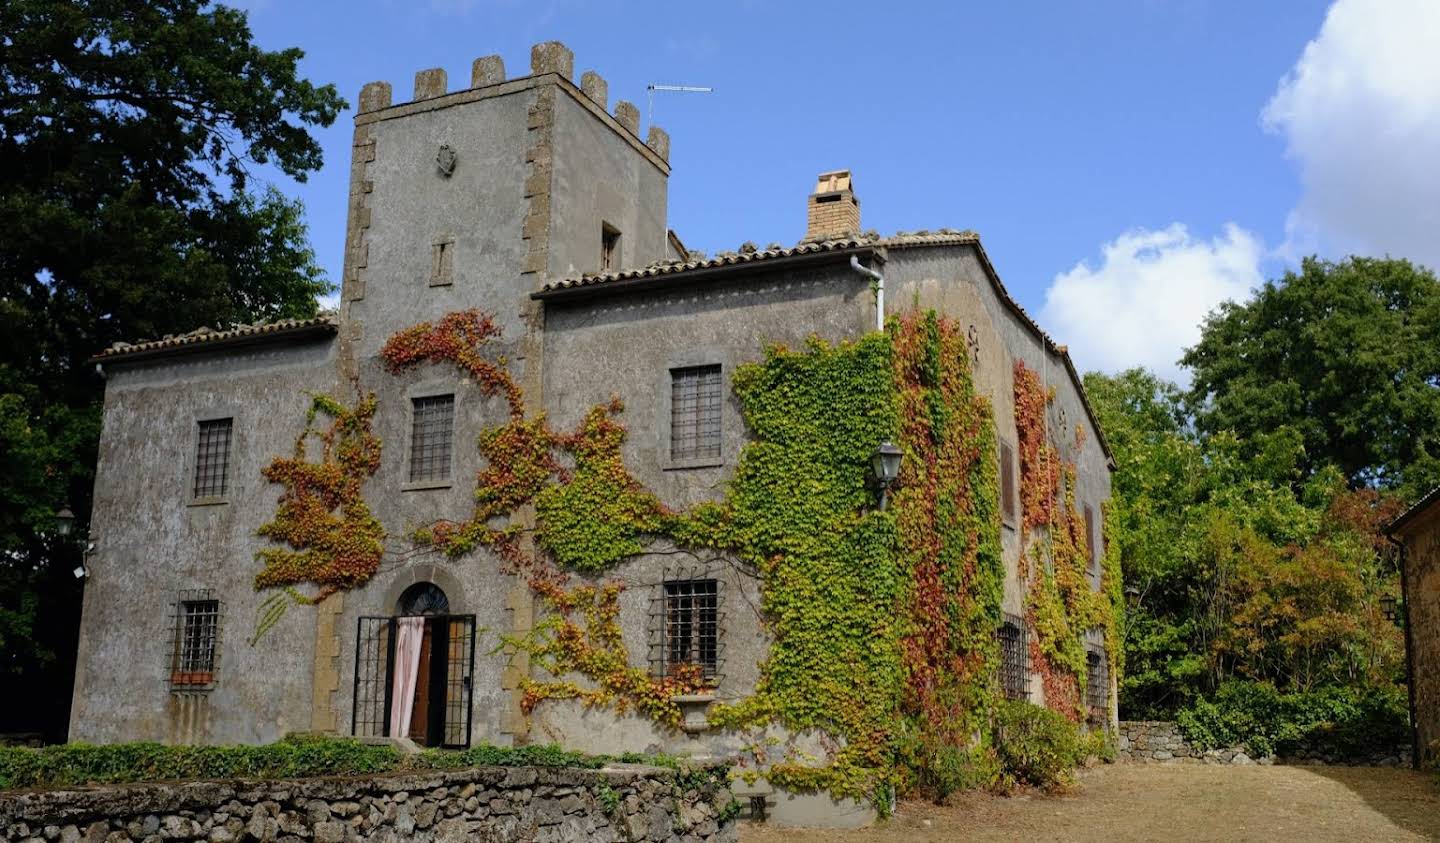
x,y
1174,803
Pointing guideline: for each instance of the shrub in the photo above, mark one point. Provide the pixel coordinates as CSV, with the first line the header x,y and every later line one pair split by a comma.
x,y
75,764
1342,721
1037,746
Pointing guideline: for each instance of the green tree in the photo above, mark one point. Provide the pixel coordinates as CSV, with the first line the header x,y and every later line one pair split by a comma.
x,y
128,131
1345,355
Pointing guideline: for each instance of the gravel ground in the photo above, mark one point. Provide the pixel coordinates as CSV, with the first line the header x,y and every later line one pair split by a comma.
x,y
1172,803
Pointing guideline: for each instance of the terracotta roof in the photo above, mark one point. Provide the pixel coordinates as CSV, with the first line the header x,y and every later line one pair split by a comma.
x,y
325,323
1413,512
749,253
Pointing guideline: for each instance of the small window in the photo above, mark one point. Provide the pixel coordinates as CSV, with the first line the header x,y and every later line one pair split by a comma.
x,y
442,262
1014,658
1097,684
196,634
692,632
609,247
1007,483
212,458
434,426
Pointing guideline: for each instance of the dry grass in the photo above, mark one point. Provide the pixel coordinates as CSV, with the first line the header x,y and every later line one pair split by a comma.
x,y
1173,803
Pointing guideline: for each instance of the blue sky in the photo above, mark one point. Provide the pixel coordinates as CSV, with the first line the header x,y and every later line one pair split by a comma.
x,y
1128,164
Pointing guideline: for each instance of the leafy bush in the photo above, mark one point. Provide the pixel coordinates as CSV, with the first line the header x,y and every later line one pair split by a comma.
x,y
1342,721
75,764
1037,746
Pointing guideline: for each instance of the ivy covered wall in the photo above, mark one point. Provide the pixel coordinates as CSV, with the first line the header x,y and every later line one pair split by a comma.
x,y
882,622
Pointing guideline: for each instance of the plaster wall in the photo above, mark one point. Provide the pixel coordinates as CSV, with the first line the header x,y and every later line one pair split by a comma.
x,y
152,542
479,209
600,178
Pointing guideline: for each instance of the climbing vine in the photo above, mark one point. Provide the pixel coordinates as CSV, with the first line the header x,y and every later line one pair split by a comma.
x,y
1062,603
946,513
332,540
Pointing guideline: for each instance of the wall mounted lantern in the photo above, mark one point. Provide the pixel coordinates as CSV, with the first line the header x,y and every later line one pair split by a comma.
x,y
1387,605
885,467
64,522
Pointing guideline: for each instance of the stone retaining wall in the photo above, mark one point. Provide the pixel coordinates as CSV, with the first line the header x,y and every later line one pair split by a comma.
x,y
1161,741
487,804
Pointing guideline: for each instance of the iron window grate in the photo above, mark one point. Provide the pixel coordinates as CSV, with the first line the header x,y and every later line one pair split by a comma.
x,y
695,412
430,440
195,640
1097,684
689,626
212,458
1014,639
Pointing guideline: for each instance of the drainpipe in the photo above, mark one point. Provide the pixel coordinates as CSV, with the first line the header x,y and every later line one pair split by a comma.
x,y
879,280
1409,656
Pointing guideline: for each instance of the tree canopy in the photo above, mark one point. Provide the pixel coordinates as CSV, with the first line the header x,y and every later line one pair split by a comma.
x,y
1345,355
128,136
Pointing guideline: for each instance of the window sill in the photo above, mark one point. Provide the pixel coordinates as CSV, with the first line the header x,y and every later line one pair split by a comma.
x,y
426,485
208,502
1009,525
702,462
441,282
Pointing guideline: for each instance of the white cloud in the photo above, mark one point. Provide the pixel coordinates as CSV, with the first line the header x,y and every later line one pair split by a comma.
x,y
1143,304
1360,115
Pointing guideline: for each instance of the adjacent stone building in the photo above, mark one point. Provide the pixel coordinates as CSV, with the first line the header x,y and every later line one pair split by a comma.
x,y
533,199
1417,530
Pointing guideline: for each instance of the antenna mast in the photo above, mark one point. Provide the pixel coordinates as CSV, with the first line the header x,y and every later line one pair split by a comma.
x,y
671,89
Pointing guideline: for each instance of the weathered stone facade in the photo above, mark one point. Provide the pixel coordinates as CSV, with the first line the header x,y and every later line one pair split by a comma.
x,y
1160,741
484,804
1418,532
510,196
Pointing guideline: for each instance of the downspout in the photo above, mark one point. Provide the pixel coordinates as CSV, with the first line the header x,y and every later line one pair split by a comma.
x,y
1409,656
879,282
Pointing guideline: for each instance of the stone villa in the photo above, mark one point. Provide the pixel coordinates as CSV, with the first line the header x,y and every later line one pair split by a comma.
x,y
532,199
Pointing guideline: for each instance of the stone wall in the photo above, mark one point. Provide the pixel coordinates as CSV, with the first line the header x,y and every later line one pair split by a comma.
x,y
1161,741
488,804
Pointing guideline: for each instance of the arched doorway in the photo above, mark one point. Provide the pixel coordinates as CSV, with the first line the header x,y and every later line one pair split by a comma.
x,y
412,671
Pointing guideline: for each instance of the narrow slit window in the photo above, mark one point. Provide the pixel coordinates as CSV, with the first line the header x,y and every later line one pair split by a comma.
x,y
212,458
430,440
1092,542
196,635
695,413
609,248
1007,483
692,631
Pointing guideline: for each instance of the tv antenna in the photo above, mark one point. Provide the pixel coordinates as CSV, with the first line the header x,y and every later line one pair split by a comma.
x,y
671,89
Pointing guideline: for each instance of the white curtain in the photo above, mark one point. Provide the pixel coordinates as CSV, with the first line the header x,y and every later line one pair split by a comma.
x,y
410,633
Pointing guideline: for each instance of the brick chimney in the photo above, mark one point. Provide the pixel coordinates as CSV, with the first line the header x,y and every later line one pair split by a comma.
x,y
833,211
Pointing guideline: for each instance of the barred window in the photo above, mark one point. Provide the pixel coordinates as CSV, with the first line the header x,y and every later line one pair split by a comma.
x,y
212,458
1097,684
692,629
196,633
1007,483
695,412
434,424
1014,657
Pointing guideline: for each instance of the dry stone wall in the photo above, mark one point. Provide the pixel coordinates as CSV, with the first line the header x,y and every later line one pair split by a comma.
x,y
486,804
1161,741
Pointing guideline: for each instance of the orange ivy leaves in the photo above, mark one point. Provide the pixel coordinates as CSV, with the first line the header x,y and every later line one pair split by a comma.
x,y
945,510
334,541
1039,462
458,337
